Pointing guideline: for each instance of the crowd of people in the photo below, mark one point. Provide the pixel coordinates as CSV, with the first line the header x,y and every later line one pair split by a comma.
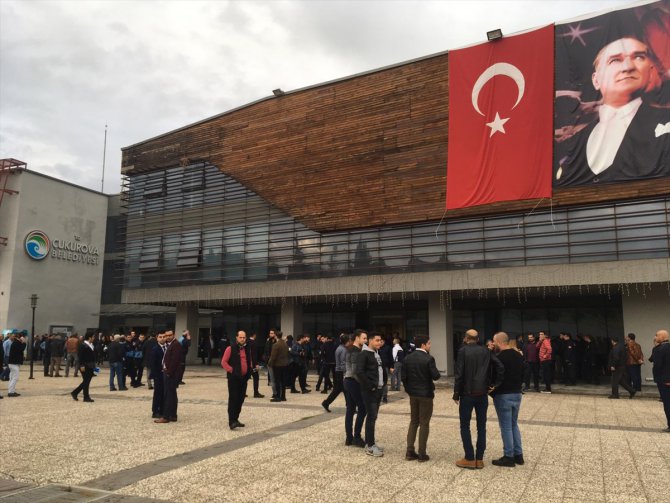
x,y
360,366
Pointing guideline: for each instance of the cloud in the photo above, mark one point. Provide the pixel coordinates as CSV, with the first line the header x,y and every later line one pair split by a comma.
x,y
147,67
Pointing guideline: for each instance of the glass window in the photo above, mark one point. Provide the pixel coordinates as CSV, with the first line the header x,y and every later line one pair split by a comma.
x,y
151,252
190,249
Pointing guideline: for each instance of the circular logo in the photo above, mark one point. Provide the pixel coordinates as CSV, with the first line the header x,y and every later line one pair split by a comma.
x,y
37,245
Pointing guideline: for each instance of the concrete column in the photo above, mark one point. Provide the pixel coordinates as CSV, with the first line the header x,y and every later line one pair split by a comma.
x,y
440,330
643,315
187,318
291,318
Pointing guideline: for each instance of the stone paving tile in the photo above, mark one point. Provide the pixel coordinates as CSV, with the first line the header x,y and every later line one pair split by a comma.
x,y
577,447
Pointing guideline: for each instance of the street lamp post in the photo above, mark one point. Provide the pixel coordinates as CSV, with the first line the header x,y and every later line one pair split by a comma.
x,y
33,305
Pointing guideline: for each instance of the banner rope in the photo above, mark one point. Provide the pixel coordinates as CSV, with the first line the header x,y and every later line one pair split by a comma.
x,y
440,223
529,213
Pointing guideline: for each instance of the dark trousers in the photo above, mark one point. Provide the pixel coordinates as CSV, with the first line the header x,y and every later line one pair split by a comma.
x,y
355,405
533,369
635,376
372,400
547,373
279,376
480,404
302,376
665,397
569,372
159,395
620,377
421,410
256,378
170,400
338,387
140,371
85,382
324,375
237,388
46,362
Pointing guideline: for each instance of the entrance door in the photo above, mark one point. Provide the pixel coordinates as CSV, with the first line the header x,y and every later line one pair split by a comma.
x,y
388,324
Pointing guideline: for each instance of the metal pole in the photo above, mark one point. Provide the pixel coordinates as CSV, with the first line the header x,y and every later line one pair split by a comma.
x,y
33,305
104,154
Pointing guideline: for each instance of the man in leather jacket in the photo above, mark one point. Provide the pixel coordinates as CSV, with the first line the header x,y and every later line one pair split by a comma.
x,y
420,372
478,372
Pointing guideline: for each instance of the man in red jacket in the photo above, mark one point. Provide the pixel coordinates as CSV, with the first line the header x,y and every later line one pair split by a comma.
x,y
172,373
546,362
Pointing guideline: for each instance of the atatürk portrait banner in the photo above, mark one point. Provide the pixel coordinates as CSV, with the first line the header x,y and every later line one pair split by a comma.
x,y
612,101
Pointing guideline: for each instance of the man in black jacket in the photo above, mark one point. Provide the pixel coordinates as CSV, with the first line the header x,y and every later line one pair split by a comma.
x,y
507,401
419,373
661,370
475,365
617,364
14,361
156,373
237,361
86,355
371,375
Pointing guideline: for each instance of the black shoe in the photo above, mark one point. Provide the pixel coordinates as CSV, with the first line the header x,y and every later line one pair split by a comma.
x,y
124,389
283,399
518,459
385,400
504,461
411,455
359,442
275,399
13,394
325,406
305,391
258,395
233,426
324,392
74,397
631,394
422,458
350,441
182,382
240,425
294,390
150,387
112,389
612,397
90,400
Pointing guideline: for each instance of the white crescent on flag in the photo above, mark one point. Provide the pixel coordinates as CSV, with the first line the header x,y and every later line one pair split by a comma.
x,y
506,69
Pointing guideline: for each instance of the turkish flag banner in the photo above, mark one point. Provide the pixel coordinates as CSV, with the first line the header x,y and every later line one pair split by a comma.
x,y
500,120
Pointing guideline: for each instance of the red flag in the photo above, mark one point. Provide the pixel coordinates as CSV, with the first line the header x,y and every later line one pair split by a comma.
x,y
500,120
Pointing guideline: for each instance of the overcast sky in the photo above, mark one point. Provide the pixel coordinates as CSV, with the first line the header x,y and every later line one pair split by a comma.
x,y
67,68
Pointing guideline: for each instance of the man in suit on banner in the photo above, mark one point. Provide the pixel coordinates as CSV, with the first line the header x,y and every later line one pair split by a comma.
x,y
631,138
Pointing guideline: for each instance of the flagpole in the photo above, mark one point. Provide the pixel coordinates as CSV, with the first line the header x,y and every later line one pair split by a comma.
x,y
104,153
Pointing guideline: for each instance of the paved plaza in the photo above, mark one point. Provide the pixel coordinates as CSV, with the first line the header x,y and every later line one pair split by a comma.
x,y
578,447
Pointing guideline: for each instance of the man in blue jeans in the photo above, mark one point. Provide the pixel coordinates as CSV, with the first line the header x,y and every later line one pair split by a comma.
x,y
507,401
116,356
478,372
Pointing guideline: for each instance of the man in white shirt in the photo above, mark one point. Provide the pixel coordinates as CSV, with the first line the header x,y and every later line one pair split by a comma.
x,y
631,138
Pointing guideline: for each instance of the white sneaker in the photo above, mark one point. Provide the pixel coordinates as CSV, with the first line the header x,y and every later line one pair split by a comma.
x,y
374,451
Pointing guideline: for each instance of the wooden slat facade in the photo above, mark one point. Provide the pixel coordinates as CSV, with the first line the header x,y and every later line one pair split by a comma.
x,y
365,151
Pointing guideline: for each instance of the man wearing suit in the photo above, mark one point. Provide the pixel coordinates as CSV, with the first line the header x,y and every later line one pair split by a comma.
x,y
254,365
238,361
419,373
278,362
172,373
86,357
631,139
156,373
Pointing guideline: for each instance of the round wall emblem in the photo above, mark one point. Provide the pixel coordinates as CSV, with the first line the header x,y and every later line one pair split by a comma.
x,y
37,245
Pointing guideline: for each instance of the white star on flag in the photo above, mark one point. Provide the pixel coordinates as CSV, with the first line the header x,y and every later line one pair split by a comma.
x,y
497,125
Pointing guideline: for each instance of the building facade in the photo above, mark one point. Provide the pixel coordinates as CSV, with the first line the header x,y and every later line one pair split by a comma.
x,y
322,210
53,246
